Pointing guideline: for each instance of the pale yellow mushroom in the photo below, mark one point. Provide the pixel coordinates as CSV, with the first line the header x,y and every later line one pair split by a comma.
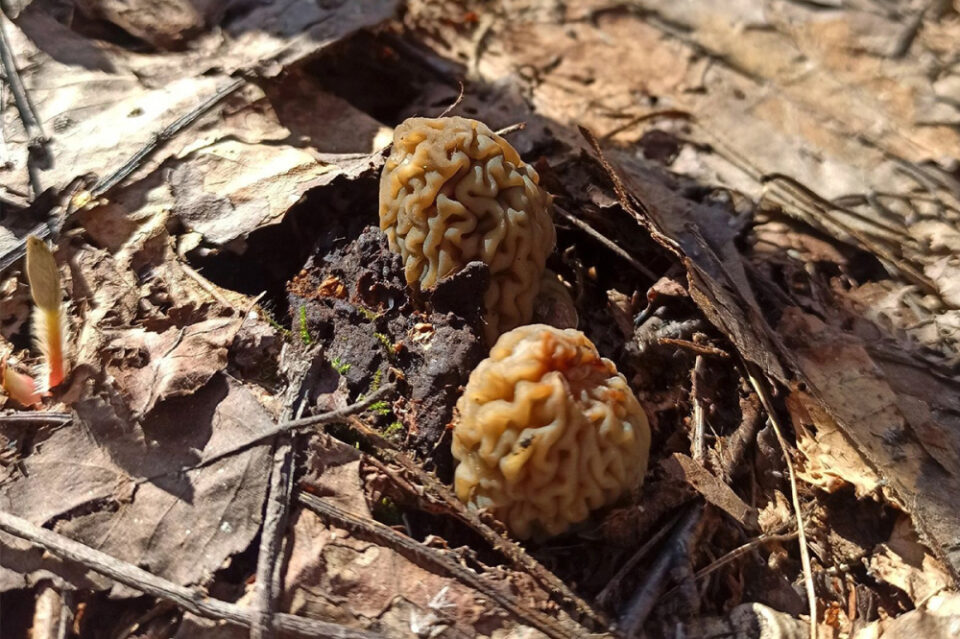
x,y
547,431
453,191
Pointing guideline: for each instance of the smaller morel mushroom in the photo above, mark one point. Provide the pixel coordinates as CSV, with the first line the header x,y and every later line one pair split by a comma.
x,y
453,191
547,431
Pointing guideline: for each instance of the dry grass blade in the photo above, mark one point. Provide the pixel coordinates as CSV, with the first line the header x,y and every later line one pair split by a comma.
x,y
794,497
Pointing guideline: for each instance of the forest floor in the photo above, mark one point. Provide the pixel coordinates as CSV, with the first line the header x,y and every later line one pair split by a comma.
x,y
758,220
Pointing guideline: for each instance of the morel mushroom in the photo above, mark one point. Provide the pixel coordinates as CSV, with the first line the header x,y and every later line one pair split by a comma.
x,y
547,431
453,191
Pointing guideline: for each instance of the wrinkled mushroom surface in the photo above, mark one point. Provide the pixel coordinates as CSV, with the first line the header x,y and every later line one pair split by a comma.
x,y
547,431
453,191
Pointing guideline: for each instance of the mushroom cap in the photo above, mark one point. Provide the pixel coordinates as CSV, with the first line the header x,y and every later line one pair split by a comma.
x,y
547,431
453,191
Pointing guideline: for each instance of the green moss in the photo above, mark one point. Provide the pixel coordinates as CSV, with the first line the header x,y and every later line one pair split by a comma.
x,y
377,378
387,512
367,313
380,408
386,342
395,428
272,321
339,366
304,332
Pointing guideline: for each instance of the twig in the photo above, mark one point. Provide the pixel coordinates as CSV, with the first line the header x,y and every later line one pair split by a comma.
x,y
191,600
746,434
435,559
36,138
698,445
733,555
740,551
701,349
909,33
513,128
36,418
313,420
266,588
592,232
641,604
794,496
269,574
440,493
613,585
168,133
453,105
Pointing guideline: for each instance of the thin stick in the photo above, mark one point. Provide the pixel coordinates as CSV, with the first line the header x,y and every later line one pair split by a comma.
x,y
269,566
267,585
647,595
36,418
284,427
702,349
698,445
36,138
521,560
435,559
740,551
605,595
191,600
794,496
168,133
592,232
513,128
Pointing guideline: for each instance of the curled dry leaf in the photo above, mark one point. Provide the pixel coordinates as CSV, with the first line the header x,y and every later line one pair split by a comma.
x,y
832,461
150,367
904,562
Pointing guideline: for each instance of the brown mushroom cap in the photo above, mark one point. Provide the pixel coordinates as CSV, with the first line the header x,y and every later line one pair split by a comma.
x,y
547,431
453,191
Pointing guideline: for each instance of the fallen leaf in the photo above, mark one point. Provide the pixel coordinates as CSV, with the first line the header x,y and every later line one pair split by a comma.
x,y
716,492
903,562
832,461
150,367
133,492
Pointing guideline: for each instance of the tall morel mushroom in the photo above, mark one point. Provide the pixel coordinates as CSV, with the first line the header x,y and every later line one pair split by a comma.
x,y
547,431
453,191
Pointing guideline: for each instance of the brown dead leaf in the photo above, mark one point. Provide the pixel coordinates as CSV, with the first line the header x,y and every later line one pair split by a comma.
x,y
906,564
716,492
832,461
103,104
333,575
131,492
231,188
856,393
939,619
165,25
150,367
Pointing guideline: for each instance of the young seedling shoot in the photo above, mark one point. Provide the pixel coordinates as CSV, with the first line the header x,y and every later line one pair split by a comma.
x,y
49,317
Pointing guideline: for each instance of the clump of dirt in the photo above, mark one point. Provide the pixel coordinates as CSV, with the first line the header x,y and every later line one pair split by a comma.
x,y
351,298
